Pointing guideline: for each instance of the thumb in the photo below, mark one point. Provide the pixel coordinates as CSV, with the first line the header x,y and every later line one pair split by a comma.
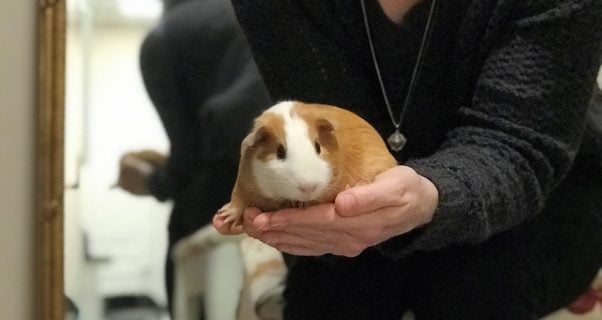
x,y
250,214
359,200
345,204
370,197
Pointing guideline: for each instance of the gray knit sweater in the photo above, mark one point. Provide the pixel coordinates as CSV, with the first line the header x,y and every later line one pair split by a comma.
x,y
499,110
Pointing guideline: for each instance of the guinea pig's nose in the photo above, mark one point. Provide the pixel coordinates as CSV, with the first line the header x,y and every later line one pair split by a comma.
x,y
307,187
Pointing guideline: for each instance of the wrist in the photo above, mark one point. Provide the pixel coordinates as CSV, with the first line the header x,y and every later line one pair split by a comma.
x,y
430,201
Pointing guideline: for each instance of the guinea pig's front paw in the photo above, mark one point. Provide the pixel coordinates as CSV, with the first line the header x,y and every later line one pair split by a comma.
x,y
228,219
230,214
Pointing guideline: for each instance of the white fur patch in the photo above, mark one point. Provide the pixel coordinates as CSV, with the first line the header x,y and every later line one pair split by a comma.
x,y
302,167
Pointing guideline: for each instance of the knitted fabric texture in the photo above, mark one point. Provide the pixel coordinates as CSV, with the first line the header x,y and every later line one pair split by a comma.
x,y
497,117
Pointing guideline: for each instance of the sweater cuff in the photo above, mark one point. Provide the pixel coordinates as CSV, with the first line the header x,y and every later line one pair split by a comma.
x,y
457,220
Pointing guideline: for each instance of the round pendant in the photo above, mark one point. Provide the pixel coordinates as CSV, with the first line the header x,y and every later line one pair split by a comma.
x,y
396,141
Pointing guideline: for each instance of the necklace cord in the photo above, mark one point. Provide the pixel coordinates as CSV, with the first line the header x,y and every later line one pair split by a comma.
x,y
417,66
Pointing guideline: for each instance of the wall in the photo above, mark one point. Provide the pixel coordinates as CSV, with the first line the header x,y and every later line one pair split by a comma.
x,y
129,232
122,119
17,143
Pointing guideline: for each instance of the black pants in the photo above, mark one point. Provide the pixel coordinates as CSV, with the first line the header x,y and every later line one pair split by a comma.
x,y
525,273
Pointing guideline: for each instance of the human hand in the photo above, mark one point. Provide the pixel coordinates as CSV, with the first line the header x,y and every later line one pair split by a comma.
x,y
135,168
398,201
226,220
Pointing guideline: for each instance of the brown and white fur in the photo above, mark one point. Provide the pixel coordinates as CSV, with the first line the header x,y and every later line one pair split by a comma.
x,y
298,155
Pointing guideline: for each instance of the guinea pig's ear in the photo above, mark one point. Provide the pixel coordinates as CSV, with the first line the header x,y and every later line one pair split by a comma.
x,y
326,135
257,136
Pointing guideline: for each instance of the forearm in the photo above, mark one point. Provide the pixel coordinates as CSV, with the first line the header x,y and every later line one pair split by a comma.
x,y
517,140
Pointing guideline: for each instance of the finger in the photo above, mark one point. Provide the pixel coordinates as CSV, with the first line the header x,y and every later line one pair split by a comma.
x,y
304,233
295,244
345,229
219,225
251,214
365,228
224,227
387,190
279,238
285,242
236,229
248,217
374,227
253,222
320,215
367,198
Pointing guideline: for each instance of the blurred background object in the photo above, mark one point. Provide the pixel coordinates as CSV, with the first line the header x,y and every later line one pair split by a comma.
x,y
114,243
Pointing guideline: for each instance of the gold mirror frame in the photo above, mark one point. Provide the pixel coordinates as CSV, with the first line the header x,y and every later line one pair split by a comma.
x,y
50,159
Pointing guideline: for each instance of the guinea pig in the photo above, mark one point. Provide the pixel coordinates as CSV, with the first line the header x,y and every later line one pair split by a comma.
x,y
299,155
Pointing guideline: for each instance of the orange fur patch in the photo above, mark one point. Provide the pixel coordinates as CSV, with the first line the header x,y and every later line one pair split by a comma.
x,y
352,146
272,126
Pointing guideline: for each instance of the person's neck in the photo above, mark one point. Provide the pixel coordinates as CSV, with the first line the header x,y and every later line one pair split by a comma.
x,y
397,9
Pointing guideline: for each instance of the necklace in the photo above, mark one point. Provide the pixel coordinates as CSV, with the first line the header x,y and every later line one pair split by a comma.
x,y
397,140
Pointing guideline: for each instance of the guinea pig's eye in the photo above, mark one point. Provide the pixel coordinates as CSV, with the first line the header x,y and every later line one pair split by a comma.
x,y
318,148
281,152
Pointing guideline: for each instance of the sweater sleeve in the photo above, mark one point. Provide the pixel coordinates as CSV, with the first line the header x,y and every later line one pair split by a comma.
x,y
517,139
